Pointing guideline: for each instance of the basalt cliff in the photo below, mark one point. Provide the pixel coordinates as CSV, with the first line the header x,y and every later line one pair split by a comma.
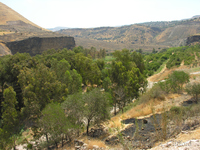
x,y
194,39
37,45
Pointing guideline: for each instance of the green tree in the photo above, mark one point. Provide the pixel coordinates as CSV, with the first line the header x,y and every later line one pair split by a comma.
x,y
100,63
10,67
107,84
135,81
87,69
154,51
53,124
74,107
194,90
39,87
93,106
10,128
177,79
138,59
102,53
75,82
124,56
130,79
175,82
60,67
118,73
78,49
97,107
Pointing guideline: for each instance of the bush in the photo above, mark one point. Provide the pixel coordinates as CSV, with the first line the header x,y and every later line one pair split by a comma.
x,y
194,90
154,93
157,93
29,146
176,110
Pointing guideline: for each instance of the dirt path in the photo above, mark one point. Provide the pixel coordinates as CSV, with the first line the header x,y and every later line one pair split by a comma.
x,y
156,76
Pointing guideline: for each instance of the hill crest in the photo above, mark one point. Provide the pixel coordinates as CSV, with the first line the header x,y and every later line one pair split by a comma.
x,y
146,36
7,14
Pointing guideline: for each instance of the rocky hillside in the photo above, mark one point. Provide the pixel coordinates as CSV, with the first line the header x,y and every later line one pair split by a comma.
x,y
194,39
145,35
17,35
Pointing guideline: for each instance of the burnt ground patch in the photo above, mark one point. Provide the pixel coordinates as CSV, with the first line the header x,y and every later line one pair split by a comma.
x,y
144,133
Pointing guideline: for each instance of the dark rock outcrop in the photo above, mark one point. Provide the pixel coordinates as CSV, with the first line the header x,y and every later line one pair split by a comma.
x,y
193,39
37,45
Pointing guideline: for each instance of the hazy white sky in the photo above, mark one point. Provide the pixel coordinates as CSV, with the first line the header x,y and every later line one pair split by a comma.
x,y
96,13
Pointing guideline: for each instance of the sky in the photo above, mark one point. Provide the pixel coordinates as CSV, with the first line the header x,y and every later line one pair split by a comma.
x,y
98,13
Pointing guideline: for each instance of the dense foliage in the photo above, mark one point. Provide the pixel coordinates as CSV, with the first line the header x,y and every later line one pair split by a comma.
x,y
34,90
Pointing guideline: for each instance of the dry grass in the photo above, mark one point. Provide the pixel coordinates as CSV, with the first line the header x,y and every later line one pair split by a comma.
x,y
67,147
143,109
172,96
3,33
89,143
115,122
195,134
140,110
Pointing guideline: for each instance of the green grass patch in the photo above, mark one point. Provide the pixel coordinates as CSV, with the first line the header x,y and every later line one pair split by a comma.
x,y
109,58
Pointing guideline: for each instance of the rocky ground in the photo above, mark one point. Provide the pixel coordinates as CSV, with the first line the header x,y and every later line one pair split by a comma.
x,y
174,145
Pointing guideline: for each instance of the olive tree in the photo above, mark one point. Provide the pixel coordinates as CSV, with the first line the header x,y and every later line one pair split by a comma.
x,y
53,123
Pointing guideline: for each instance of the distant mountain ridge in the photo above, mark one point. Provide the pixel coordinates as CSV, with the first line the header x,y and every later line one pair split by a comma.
x,y
57,28
147,35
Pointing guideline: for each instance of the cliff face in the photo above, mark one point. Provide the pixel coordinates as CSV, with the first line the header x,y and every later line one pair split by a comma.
x,y
37,45
193,39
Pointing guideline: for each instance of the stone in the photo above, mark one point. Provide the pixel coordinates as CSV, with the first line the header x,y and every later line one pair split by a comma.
x,y
145,121
95,147
77,147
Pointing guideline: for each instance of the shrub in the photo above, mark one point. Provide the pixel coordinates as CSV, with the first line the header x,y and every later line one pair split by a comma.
x,y
154,93
176,110
194,90
29,146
